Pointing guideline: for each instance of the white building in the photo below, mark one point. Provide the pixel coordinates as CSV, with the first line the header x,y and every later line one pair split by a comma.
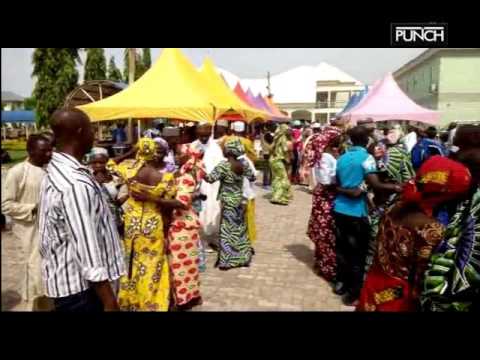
x,y
313,93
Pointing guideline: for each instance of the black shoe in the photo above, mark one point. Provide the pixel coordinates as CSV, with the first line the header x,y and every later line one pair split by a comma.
x,y
350,300
339,289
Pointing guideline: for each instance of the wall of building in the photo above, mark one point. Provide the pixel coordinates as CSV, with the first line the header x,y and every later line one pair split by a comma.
x,y
456,74
459,97
417,83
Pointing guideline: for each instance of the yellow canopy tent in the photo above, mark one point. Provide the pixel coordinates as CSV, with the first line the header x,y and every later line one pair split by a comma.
x,y
171,88
220,89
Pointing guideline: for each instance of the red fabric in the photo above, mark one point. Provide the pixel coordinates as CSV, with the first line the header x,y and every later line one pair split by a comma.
x,y
321,230
438,180
194,165
297,139
319,142
378,282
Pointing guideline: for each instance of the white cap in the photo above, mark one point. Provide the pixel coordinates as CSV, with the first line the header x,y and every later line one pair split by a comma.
x,y
238,126
316,125
223,123
98,151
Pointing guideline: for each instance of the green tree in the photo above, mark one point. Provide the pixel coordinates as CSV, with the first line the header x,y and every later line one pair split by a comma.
x,y
30,103
114,73
56,75
146,59
96,65
139,67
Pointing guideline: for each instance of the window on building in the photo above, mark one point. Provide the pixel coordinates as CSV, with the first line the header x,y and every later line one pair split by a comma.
x,y
341,99
322,99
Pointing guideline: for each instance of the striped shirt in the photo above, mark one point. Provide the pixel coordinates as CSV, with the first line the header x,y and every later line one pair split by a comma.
x,y
79,242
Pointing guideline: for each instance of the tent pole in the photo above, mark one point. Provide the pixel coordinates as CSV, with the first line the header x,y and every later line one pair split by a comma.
x,y
139,128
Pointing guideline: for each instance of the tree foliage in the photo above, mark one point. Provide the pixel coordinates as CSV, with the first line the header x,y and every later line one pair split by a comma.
x,y
146,59
56,75
95,65
114,73
30,103
142,63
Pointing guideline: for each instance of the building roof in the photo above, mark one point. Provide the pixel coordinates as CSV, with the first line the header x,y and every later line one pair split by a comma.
x,y
424,56
297,85
8,96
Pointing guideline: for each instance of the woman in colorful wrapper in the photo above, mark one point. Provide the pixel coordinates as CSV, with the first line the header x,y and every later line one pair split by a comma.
x,y
235,248
279,159
183,233
408,234
146,287
452,281
321,227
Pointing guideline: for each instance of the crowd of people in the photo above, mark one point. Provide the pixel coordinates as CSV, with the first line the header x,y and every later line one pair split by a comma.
x,y
129,232
394,218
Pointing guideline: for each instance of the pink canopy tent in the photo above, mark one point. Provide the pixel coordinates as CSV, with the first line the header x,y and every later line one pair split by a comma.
x,y
275,110
386,101
259,99
238,90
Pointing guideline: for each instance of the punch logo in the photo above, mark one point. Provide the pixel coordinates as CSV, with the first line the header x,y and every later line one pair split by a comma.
x,y
428,35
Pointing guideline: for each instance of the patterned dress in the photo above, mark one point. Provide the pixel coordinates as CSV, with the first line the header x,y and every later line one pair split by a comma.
x,y
398,164
321,227
183,244
394,280
146,287
235,249
321,230
452,281
398,167
281,187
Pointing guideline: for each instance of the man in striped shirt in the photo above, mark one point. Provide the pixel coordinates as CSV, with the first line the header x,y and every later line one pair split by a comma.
x,y
80,246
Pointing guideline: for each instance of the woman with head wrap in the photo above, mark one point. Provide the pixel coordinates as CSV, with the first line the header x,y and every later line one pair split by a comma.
x,y
183,230
169,157
235,249
146,287
306,171
398,163
408,234
452,281
114,190
279,159
238,131
395,166
324,149
296,133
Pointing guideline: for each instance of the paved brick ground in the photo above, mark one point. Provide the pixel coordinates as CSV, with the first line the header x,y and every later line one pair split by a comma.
x,y
279,279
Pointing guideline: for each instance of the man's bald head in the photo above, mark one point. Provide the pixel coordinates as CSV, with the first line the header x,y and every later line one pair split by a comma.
x,y
72,128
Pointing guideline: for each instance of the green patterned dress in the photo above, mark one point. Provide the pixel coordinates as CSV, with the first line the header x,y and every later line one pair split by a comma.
x,y
452,282
235,249
281,187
